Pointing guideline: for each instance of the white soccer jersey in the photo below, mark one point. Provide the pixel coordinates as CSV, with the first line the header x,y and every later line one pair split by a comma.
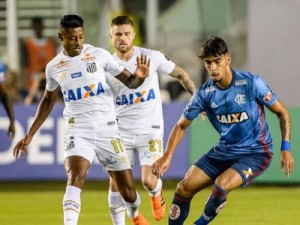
x,y
139,111
89,103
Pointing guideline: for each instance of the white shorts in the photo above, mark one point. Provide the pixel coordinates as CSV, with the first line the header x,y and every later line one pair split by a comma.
x,y
109,150
148,146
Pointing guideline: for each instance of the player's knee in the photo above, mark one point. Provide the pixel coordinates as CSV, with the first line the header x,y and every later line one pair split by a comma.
x,y
76,178
184,190
149,182
128,194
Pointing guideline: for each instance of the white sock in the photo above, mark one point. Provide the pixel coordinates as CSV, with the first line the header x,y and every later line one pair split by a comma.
x,y
133,208
157,189
116,207
71,205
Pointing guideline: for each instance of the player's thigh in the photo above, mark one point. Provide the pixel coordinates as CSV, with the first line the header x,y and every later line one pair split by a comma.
x,y
229,180
194,181
149,147
123,179
111,153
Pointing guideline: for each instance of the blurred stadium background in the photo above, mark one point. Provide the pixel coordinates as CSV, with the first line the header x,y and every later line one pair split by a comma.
x,y
263,37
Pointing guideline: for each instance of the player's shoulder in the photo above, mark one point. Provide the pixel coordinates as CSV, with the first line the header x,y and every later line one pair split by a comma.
x,y
239,74
91,49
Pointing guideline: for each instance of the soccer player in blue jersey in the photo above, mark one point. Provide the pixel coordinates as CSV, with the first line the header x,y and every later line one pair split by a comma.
x,y
234,103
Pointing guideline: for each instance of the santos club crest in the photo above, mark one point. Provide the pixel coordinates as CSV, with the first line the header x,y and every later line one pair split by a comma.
x,y
91,67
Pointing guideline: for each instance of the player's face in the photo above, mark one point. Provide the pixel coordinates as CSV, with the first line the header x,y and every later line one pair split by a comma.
x,y
122,37
72,40
218,67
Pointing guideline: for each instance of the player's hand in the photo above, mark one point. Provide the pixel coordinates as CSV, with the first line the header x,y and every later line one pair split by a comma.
x,y
160,166
11,130
142,69
203,115
21,147
286,162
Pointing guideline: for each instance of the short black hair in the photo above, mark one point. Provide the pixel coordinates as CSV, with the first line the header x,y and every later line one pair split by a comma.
x,y
121,20
71,21
213,46
37,20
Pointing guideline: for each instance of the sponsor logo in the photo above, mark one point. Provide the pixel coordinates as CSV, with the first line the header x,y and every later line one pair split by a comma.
x,y
76,75
248,172
83,92
220,207
135,98
240,99
267,97
213,105
91,67
110,160
62,64
210,89
174,212
233,117
240,82
155,126
111,123
88,57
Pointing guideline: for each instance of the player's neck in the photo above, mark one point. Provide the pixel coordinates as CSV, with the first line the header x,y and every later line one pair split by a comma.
x,y
125,56
226,81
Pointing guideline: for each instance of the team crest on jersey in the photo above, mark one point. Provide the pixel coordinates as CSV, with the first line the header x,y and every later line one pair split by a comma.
x,y
91,67
240,99
136,97
233,118
83,92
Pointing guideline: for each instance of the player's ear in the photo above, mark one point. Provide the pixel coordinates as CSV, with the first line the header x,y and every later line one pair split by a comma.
x,y
228,59
60,36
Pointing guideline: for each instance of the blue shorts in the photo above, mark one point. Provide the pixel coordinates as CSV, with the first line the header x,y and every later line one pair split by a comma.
x,y
249,166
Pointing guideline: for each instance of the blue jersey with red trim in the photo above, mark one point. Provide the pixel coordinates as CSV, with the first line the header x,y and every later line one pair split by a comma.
x,y
237,113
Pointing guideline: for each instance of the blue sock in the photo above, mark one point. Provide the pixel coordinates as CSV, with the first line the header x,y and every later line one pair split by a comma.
x,y
179,210
214,204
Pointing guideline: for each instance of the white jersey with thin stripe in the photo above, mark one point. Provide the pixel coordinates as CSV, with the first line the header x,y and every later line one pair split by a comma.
x,y
139,111
89,104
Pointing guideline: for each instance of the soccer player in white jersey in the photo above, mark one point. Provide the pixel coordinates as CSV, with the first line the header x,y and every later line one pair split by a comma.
x,y
90,116
139,114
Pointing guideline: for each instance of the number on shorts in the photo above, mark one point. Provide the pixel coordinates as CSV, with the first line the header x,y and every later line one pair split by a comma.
x,y
155,145
117,145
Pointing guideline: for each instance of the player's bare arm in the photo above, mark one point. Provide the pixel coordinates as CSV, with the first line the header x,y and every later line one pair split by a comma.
x,y
160,166
286,158
9,109
135,80
44,109
184,78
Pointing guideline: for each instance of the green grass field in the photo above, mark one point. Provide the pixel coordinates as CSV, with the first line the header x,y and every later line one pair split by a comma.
x,y
39,203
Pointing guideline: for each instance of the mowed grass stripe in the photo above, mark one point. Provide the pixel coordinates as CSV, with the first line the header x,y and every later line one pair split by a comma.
x,y
36,203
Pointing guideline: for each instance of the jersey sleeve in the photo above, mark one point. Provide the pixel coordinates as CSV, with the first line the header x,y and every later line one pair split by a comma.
x,y
112,66
263,93
165,65
51,83
2,73
194,107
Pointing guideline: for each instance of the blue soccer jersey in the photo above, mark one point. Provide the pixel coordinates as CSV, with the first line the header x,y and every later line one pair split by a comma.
x,y
237,113
2,72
